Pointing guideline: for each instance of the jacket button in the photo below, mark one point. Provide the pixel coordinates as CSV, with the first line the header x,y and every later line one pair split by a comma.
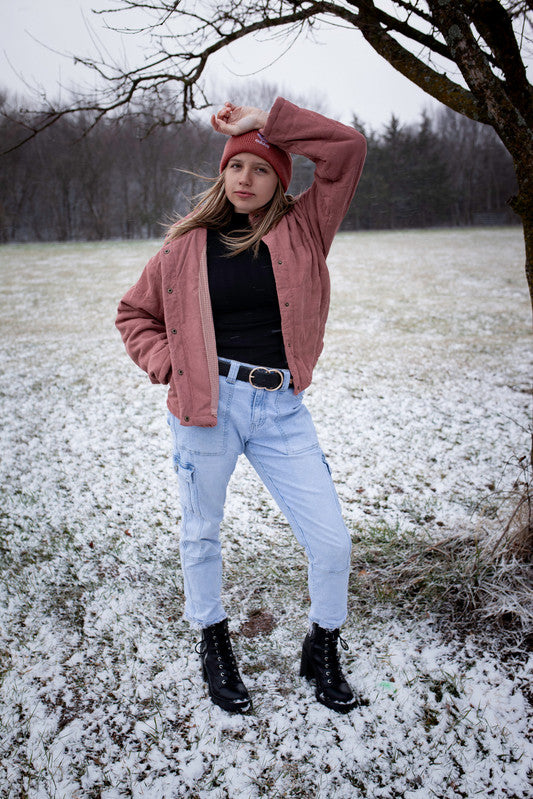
x,y
167,251
280,261
186,418
287,304
174,330
180,371
169,291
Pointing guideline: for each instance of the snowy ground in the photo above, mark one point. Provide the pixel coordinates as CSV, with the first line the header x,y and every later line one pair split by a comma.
x,y
421,398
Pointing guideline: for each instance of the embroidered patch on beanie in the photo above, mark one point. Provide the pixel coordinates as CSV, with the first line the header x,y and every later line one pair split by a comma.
x,y
260,139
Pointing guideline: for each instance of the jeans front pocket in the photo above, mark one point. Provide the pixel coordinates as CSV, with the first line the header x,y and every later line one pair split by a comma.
x,y
295,424
205,440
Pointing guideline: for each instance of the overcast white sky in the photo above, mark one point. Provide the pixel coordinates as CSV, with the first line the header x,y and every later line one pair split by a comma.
x,y
339,65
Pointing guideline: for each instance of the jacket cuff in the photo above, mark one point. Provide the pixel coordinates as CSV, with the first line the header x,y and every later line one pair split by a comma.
x,y
273,115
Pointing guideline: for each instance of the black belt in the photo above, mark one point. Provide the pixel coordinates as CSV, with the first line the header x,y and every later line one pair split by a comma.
x,y
257,376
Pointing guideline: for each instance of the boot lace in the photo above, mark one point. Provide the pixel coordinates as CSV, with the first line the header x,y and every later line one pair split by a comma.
x,y
332,667
218,648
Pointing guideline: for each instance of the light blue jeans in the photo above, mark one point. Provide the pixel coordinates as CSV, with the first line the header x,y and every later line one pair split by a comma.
x,y
276,433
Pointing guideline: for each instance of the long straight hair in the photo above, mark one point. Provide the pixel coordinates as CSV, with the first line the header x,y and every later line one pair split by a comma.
x,y
214,210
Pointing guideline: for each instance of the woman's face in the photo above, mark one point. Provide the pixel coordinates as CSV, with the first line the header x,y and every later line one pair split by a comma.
x,y
249,182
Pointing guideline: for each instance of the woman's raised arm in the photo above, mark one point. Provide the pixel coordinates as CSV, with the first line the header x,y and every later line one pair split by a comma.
x,y
234,120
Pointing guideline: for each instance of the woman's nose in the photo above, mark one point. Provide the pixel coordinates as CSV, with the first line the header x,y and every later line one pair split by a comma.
x,y
245,176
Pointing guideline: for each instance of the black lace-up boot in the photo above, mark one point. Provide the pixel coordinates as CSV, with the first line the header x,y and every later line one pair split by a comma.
x,y
320,660
220,670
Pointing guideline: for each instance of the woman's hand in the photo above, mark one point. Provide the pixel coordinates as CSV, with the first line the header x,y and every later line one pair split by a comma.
x,y
234,120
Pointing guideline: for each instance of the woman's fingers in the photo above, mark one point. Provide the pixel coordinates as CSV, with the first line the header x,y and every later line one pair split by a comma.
x,y
226,111
236,119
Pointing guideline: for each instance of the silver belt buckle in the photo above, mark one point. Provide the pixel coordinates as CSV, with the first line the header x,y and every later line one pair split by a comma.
x,y
267,371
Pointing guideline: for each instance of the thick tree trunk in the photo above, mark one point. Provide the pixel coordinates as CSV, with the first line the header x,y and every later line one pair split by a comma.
x,y
527,221
522,204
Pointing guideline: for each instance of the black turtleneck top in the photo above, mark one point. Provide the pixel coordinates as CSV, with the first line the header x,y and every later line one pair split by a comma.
x,y
244,301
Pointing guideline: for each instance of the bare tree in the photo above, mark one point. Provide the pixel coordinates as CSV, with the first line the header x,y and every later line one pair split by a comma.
x,y
112,181
425,40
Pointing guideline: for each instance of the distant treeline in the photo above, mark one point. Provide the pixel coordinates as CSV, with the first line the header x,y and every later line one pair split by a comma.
x,y
111,182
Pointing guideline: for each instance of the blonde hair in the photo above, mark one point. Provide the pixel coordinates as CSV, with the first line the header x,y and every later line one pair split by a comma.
x,y
214,210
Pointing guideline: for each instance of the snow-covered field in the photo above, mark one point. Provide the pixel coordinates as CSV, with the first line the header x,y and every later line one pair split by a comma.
x,y
421,399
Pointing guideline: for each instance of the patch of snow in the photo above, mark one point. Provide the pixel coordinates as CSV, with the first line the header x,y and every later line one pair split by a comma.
x,y
420,398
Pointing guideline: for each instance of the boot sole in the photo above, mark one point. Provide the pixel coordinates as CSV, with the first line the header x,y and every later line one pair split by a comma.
x,y
230,707
334,705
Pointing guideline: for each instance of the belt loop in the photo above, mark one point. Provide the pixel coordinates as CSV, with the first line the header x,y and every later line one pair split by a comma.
x,y
232,374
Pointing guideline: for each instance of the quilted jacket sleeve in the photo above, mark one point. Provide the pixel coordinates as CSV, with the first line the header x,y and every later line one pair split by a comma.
x,y
338,152
140,321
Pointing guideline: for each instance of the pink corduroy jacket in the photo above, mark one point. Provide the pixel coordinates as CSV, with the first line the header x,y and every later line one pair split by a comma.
x,y
165,319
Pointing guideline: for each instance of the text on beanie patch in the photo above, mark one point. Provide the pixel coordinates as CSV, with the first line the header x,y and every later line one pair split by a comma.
x,y
260,139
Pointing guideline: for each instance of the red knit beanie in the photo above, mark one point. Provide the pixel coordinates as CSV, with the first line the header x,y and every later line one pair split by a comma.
x,y
254,142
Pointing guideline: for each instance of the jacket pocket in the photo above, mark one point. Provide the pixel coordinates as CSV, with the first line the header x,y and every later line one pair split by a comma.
x,y
159,364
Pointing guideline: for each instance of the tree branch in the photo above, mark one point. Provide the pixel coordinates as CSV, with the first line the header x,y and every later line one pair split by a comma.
x,y
199,36
506,119
496,28
433,83
391,23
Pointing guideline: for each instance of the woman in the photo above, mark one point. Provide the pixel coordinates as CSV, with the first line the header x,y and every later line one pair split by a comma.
x,y
231,314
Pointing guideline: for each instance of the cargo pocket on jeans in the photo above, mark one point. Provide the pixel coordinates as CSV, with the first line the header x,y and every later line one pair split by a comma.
x,y
334,490
187,485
